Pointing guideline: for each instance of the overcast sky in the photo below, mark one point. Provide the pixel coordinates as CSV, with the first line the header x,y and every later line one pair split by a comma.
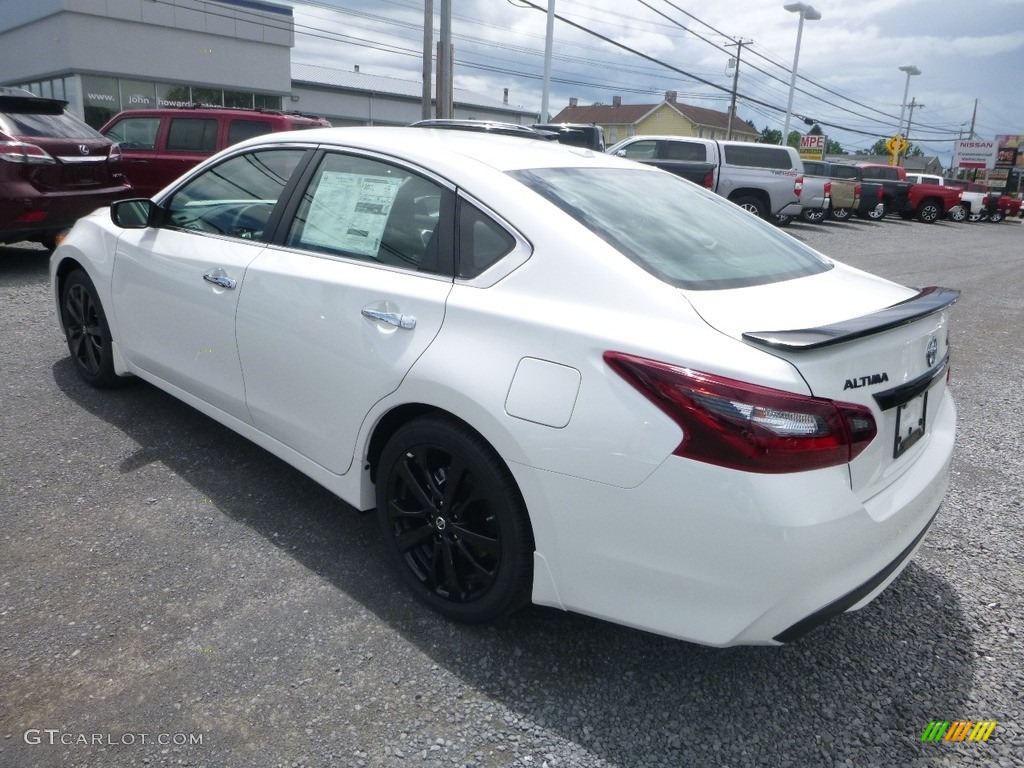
x,y
966,51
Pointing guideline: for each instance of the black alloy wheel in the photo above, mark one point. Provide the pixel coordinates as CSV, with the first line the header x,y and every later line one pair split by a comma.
x,y
87,332
454,521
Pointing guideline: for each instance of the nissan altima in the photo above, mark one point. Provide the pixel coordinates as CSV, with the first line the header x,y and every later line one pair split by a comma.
x,y
559,377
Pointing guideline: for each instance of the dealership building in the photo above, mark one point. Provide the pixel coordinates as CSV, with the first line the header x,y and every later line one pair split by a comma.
x,y
103,56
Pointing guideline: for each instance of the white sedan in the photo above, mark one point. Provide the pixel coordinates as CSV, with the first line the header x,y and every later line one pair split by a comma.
x,y
560,377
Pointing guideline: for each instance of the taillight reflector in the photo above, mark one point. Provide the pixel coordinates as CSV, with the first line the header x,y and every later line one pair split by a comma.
x,y
746,426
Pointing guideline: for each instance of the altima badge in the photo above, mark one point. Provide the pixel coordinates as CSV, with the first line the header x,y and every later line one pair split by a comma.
x,y
932,352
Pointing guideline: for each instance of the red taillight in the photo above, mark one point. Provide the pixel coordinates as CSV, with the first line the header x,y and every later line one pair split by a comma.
x,y
709,180
31,217
21,152
746,426
881,193
798,185
856,190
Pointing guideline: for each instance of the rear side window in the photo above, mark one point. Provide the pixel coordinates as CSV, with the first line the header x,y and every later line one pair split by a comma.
x,y
365,209
482,241
815,169
681,234
135,132
240,130
758,156
844,172
192,134
886,174
640,150
685,150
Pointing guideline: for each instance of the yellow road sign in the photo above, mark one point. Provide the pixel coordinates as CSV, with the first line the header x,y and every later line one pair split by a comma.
x,y
896,145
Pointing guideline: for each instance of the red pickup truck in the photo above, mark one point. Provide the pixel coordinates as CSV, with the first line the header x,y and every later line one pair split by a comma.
x,y
928,202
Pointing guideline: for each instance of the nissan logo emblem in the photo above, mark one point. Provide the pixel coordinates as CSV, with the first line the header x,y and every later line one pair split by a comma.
x,y
932,352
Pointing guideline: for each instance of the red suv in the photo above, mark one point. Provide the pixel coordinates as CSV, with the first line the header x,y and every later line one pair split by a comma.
x,y
159,145
54,168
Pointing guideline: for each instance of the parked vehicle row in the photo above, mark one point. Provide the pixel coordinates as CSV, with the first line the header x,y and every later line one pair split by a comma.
x,y
773,183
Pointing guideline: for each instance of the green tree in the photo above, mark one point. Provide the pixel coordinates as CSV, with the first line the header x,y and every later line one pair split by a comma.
x,y
878,148
770,136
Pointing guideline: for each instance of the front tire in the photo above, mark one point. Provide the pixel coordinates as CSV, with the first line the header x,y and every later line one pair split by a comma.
x,y
87,332
454,521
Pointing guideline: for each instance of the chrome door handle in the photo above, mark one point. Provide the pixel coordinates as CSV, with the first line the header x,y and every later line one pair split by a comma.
x,y
408,322
222,280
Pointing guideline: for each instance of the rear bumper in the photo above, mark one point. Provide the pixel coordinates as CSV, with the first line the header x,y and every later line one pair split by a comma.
x,y
26,214
721,557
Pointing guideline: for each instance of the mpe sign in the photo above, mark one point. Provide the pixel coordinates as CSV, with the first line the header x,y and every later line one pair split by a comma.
x,y
812,147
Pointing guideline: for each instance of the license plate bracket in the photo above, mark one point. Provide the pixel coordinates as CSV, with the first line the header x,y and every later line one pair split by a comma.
x,y
911,422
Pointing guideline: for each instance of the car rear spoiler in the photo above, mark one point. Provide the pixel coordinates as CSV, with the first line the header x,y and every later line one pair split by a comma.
x,y
32,105
928,301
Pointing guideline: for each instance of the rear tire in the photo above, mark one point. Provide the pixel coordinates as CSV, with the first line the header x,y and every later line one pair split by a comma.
x,y
753,205
454,521
842,214
957,213
813,215
877,215
929,212
996,216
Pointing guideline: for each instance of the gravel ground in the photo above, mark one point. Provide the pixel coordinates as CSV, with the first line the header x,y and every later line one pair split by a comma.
x,y
174,596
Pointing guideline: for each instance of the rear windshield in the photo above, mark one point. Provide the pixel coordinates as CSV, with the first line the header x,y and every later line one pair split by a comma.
x,y
28,125
673,229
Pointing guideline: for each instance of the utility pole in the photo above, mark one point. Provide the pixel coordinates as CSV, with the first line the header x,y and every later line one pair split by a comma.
x,y
549,40
973,116
735,83
428,54
444,63
913,103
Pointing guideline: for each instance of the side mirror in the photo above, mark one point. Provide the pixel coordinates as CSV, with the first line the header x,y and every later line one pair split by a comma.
x,y
620,153
135,213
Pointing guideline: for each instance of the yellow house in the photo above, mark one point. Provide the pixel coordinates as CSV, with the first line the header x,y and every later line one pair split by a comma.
x,y
669,118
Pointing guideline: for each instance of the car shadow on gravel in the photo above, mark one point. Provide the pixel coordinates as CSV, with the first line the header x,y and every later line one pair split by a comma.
x,y
861,688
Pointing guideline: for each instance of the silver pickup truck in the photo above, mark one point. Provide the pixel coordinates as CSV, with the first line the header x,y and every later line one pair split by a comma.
x,y
765,179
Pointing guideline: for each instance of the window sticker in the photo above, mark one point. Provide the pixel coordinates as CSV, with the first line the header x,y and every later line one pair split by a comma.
x,y
349,211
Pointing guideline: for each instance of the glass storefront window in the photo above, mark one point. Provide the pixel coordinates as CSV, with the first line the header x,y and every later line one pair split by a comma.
x,y
264,101
101,99
208,97
238,99
137,94
168,95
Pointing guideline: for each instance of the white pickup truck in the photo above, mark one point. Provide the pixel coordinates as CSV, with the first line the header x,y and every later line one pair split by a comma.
x,y
765,179
972,204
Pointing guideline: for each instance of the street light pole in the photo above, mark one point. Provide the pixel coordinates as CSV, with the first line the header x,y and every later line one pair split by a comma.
x,y
911,70
806,12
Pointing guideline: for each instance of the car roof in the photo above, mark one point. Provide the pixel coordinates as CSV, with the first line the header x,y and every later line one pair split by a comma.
x,y
438,147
